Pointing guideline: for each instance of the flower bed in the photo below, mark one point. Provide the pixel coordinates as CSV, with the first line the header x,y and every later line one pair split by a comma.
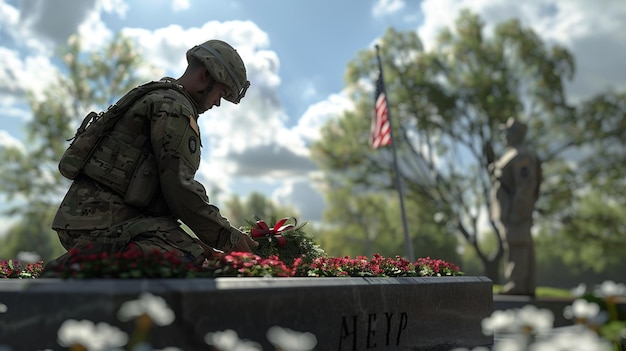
x,y
134,264
17,269
284,250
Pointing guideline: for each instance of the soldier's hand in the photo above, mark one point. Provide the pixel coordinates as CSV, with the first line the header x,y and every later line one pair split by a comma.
x,y
245,244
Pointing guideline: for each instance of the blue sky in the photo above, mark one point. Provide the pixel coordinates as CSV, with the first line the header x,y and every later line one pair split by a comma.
x,y
296,52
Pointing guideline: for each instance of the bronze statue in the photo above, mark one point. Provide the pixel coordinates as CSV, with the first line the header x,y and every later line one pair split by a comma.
x,y
517,177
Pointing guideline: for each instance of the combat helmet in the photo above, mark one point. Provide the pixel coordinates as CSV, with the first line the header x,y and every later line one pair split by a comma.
x,y
225,65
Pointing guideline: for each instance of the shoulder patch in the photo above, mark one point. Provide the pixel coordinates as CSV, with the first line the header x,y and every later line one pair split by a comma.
x,y
194,125
193,144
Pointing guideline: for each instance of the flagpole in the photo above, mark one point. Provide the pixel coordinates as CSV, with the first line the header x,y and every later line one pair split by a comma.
x,y
407,237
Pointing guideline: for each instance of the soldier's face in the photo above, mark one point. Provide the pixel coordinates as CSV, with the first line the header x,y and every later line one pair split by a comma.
x,y
214,97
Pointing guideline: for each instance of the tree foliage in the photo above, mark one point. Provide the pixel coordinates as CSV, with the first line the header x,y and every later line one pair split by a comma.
x,y
447,105
241,212
28,175
362,222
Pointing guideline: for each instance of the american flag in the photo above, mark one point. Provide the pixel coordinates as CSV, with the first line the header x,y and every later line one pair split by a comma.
x,y
381,130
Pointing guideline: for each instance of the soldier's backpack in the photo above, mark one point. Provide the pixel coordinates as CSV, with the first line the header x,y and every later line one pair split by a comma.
x,y
96,126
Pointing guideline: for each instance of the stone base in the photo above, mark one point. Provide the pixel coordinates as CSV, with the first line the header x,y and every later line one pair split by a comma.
x,y
343,313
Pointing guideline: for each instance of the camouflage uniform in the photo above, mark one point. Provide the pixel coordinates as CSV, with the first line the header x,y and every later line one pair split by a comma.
x,y
162,124
518,177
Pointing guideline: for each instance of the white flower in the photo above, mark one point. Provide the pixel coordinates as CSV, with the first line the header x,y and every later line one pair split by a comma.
x,y
499,321
585,312
609,288
288,340
512,344
580,290
28,257
228,340
581,309
537,320
526,320
154,306
3,308
575,338
93,337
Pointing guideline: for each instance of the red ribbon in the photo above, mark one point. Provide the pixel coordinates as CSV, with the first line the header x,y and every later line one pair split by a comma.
x,y
263,230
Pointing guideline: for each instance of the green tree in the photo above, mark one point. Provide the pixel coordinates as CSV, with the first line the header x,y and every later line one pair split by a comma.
x,y
447,105
359,224
592,236
241,212
28,176
362,222
30,235
586,207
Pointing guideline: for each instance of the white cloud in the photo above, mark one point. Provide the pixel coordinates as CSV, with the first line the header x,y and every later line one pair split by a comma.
x,y
6,140
592,32
51,21
387,7
40,25
180,5
119,7
309,91
8,105
93,32
11,68
166,46
21,74
32,31
9,18
308,127
303,195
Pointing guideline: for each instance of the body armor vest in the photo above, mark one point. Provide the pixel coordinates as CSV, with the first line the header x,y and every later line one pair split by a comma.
x,y
121,161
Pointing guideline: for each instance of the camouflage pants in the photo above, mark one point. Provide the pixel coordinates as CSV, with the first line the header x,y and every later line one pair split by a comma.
x,y
146,234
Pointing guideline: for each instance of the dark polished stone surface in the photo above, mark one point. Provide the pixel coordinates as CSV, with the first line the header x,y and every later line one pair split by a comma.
x,y
343,313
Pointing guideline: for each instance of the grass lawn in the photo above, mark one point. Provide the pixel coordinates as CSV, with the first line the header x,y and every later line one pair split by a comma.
x,y
542,291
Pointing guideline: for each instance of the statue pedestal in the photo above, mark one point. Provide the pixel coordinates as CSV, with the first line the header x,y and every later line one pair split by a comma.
x,y
343,313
